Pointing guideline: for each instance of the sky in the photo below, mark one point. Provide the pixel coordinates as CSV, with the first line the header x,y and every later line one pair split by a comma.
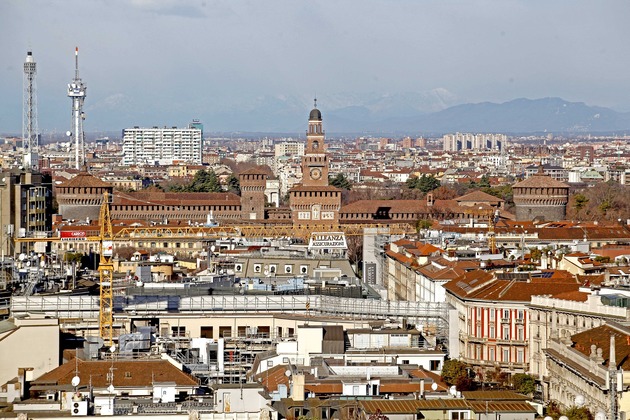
x,y
165,62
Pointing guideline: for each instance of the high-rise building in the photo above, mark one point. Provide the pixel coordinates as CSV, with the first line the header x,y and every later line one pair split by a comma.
x,y
468,141
163,146
289,148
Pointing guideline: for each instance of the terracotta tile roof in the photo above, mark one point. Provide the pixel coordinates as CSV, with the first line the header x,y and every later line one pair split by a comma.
x,y
329,387
540,181
127,373
481,285
478,196
494,396
409,406
273,377
175,199
84,179
600,337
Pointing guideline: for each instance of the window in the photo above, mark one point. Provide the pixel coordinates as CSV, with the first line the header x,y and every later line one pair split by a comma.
x,y
521,333
178,331
506,355
206,332
492,332
519,356
491,354
478,312
492,314
506,332
521,314
506,314
434,365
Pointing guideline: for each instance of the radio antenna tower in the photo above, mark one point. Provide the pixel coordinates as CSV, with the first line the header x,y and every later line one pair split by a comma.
x,y
30,139
76,91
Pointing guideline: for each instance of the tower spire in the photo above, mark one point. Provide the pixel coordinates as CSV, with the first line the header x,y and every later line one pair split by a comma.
x,y
30,137
77,92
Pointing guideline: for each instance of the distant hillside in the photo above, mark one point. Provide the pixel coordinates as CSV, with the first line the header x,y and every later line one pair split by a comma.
x,y
516,116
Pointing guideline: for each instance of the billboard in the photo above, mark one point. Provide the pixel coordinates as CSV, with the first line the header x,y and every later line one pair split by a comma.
x,y
73,235
328,240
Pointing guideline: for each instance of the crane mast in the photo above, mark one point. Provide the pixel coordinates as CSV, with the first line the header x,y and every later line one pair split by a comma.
x,y
106,273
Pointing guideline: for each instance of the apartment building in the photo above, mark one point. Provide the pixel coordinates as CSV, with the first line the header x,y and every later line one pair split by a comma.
x,y
162,146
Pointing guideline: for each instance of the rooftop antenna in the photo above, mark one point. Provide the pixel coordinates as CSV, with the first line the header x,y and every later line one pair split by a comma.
x,y
77,92
30,136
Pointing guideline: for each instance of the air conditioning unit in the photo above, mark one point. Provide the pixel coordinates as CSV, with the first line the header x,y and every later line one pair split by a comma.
x,y
288,269
238,268
79,408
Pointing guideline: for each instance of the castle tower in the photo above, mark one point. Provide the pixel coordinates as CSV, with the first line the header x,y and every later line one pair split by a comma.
x,y
541,197
253,183
314,202
315,160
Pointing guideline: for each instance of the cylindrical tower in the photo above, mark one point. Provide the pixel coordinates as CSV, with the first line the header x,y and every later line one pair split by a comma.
x,y
30,140
541,197
77,91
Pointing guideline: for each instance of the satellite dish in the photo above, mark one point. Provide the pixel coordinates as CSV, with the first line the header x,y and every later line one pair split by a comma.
x,y
600,415
453,391
563,418
75,381
112,348
22,257
434,386
68,133
212,248
287,373
111,389
548,418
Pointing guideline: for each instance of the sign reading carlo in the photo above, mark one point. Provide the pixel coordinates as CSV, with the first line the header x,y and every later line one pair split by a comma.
x,y
327,240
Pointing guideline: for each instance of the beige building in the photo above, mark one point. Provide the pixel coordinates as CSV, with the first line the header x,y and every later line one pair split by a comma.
x,y
589,367
29,348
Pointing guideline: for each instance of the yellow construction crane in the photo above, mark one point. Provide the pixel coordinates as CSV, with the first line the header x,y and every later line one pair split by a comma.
x,y
106,271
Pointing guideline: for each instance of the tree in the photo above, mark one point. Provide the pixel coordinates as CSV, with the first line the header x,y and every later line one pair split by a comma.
x,y
579,202
427,183
234,185
578,413
524,383
457,373
340,181
484,182
423,224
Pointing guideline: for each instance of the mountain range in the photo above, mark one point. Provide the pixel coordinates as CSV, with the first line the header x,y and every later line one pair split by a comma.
x,y
428,113
431,113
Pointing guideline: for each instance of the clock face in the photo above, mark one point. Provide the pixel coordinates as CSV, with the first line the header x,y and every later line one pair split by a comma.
x,y
316,173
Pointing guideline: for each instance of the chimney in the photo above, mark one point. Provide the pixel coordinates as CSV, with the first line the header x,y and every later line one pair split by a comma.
x,y
430,200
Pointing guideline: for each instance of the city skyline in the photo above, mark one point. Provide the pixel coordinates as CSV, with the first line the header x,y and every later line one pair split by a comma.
x,y
166,62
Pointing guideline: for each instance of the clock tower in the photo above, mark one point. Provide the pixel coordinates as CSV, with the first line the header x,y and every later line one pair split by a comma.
x,y
315,159
314,202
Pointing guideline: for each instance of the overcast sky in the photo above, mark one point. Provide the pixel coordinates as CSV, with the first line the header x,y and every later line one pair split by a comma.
x,y
195,57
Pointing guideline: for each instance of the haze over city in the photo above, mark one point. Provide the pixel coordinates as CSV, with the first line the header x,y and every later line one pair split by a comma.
x,y
249,65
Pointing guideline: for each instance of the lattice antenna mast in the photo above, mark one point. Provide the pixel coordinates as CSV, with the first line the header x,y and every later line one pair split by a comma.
x,y
30,138
77,91
106,271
